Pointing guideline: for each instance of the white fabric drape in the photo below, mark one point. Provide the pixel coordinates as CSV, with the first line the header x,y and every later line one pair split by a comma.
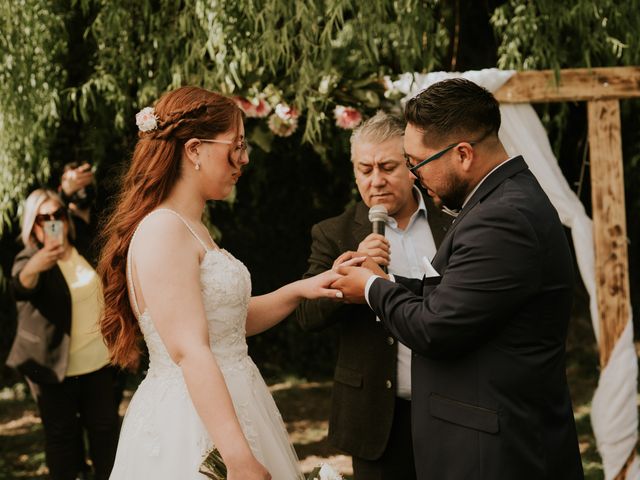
x,y
614,412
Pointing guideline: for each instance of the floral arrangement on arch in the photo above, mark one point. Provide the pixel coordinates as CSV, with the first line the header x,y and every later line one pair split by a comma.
x,y
283,118
351,101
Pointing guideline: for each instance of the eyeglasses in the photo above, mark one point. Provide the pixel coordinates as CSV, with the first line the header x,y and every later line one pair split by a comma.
x,y
59,214
241,146
413,168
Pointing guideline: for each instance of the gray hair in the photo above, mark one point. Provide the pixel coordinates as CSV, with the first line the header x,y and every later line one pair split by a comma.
x,y
30,210
378,129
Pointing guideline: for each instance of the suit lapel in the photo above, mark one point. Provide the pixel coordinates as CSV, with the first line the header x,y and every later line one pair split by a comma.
x,y
361,224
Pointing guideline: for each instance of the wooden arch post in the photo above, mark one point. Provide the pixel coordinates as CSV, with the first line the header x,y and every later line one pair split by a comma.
x,y
601,88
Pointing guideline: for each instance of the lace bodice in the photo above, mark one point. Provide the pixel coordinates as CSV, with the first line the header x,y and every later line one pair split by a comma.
x,y
225,284
226,288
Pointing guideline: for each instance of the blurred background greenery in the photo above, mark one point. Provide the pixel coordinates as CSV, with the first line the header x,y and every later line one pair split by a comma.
x,y
74,72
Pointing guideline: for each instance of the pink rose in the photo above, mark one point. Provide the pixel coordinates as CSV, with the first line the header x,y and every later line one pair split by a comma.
x,y
347,117
262,108
246,106
280,127
254,108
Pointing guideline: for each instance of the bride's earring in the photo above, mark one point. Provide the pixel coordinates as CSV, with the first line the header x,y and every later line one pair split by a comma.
x,y
197,165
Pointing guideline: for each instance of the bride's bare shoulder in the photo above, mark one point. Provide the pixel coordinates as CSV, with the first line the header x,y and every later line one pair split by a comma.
x,y
161,232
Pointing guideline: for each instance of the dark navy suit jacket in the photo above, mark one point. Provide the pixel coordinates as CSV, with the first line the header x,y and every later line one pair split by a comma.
x,y
490,395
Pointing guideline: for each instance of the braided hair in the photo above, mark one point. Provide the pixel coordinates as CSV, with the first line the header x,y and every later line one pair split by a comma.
x,y
156,164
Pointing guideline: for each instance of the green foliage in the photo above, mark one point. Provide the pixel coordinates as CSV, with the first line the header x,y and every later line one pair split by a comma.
x,y
307,54
544,34
89,65
575,33
312,55
32,37
74,72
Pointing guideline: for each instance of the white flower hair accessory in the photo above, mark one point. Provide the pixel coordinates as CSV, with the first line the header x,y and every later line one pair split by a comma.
x,y
146,119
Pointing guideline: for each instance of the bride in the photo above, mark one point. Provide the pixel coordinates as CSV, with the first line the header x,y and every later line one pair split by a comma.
x,y
167,282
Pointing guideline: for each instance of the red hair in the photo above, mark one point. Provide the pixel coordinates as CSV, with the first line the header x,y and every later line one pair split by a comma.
x,y
184,113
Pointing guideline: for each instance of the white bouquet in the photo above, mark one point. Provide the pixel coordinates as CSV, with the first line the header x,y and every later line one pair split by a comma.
x,y
324,472
214,468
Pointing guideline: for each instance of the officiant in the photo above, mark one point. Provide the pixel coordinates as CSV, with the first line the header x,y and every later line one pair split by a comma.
x,y
371,407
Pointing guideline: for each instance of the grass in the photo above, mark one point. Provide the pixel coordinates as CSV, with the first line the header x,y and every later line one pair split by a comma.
x,y
21,437
305,409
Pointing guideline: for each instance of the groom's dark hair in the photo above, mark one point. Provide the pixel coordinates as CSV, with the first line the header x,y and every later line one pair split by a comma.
x,y
454,110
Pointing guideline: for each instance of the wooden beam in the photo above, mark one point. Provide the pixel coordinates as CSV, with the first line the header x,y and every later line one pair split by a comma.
x,y
623,473
609,222
609,230
579,84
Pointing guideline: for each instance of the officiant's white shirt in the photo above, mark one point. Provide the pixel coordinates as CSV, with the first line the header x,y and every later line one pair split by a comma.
x,y
408,247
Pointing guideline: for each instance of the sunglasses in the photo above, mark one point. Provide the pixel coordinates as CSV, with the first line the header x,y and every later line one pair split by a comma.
x,y
59,214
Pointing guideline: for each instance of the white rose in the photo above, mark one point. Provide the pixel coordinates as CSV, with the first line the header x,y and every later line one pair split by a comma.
x,y
146,119
328,473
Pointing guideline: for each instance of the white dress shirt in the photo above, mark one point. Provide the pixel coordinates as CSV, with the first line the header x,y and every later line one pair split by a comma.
x,y
408,247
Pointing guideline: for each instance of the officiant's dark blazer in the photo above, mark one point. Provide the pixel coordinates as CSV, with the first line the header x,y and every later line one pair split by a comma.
x,y
365,374
490,395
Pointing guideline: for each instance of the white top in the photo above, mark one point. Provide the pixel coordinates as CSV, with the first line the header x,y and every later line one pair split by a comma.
x,y
408,247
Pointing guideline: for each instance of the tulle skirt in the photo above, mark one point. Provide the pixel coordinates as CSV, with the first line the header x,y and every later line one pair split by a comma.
x,y
163,438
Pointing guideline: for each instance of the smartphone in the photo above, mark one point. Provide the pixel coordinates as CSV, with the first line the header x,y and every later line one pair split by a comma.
x,y
53,232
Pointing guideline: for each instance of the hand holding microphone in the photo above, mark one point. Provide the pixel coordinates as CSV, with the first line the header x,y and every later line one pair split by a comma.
x,y
356,267
375,245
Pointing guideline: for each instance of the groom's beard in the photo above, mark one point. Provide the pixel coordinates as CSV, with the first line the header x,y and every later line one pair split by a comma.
x,y
455,193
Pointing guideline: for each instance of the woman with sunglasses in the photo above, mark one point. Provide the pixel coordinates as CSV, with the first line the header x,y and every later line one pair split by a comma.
x,y
58,345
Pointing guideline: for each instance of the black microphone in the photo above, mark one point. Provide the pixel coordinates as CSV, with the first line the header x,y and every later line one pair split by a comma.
x,y
378,217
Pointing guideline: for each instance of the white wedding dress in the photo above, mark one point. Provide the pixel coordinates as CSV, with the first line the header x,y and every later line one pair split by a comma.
x,y
162,436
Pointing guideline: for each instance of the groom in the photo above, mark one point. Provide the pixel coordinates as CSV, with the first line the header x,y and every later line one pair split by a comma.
x,y
488,322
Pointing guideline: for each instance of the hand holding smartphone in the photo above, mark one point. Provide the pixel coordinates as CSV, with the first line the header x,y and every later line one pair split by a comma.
x,y
45,258
53,232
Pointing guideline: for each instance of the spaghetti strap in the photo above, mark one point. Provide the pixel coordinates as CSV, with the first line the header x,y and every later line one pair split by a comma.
x,y
132,292
204,245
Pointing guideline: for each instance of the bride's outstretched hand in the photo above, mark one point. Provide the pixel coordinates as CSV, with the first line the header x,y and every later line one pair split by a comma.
x,y
320,286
